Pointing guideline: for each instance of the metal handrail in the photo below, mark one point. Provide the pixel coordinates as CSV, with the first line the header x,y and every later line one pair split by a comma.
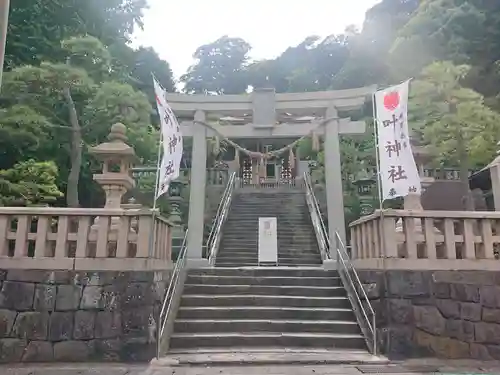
x,y
219,207
220,218
166,308
352,283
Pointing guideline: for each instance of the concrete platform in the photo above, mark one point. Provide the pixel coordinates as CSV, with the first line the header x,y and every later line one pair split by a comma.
x,y
413,367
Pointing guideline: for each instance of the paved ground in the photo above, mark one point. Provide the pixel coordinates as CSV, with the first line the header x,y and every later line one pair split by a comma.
x,y
415,367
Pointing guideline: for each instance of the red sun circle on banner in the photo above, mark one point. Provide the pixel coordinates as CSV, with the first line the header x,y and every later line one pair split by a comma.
x,y
391,100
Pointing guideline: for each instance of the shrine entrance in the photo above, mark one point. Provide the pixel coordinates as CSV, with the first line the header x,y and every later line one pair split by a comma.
x,y
249,123
276,171
272,170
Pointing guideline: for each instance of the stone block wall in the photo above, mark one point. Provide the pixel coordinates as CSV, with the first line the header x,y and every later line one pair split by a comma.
x,y
79,316
446,314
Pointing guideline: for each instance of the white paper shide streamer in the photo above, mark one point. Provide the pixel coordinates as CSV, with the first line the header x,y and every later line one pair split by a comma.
x,y
171,143
397,168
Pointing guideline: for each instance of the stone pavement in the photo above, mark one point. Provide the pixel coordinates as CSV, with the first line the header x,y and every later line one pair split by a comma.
x,y
411,367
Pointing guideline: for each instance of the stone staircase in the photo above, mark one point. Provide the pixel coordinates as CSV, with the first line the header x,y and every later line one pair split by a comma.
x,y
234,308
297,244
238,306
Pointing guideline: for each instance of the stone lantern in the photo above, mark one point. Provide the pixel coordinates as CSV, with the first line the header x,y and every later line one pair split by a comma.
x,y
365,182
175,199
117,158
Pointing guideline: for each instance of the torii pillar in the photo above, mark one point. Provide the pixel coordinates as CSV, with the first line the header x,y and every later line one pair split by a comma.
x,y
333,170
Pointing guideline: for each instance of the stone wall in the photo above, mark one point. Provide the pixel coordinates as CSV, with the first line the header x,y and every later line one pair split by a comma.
x,y
447,314
79,316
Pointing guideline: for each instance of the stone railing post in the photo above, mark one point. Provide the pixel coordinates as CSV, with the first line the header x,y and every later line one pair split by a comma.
x,y
494,168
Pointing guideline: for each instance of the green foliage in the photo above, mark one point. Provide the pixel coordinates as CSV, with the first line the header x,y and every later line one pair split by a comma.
x,y
23,133
449,117
29,183
220,68
36,27
98,103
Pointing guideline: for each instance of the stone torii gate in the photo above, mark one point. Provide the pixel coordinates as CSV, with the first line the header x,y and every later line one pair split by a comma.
x,y
265,106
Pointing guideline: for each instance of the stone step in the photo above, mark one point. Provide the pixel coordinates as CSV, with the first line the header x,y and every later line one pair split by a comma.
x,y
258,325
224,257
254,239
313,291
256,300
272,200
281,197
255,264
263,280
264,312
283,226
297,246
298,232
291,263
277,357
265,271
223,253
301,248
283,246
282,261
253,220
309,340
255,213
281,208
254,257
283,251
271,206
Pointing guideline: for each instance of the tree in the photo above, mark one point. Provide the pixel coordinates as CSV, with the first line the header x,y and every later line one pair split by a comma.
x,y
439,30
36,27
219,69
453,121
79,103
29,183
23,134
309,66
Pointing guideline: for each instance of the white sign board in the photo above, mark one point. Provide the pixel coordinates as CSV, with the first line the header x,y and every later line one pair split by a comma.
x,y
268,240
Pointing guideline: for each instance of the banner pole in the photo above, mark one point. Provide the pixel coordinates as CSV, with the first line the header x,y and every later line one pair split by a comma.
x,y
152,236
158,165
377,157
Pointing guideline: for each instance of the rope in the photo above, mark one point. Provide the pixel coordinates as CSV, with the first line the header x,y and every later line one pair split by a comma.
x,y
270,154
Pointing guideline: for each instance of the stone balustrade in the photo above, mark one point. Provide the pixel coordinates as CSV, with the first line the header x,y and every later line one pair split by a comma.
x,y
84,239
414,239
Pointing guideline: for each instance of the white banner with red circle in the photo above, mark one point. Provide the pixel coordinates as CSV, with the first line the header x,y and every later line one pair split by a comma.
x,y
398,172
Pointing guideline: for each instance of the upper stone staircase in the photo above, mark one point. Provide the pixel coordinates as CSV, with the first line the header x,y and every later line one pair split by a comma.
x,y
297,244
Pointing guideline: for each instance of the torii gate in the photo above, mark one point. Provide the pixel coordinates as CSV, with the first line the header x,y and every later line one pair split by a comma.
x,y
264,104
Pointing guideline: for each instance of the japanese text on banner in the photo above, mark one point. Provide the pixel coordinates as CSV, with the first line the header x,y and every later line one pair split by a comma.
x,y
171,139
398,171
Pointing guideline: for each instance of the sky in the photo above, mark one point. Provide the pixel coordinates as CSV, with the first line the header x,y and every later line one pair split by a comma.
x,y
175,28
